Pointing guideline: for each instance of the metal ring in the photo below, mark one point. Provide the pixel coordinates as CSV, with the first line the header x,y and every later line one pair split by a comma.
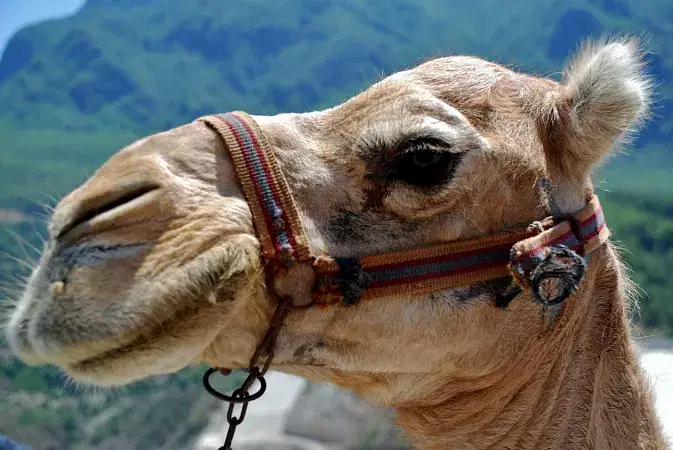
x,y
550,268
231,398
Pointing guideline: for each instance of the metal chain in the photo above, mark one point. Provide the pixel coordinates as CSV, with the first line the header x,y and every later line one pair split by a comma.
x,y
242,395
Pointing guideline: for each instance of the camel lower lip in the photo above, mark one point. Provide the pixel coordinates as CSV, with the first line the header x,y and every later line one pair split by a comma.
x,y
100,358
94,369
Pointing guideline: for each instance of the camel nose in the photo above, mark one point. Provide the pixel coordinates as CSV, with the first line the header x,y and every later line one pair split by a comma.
x,y
107,207
124,191
140,189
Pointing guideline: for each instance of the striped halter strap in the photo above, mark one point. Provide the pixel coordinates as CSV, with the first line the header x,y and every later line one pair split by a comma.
x,y
546,257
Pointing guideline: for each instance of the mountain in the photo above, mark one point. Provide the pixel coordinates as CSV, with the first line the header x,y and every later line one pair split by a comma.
x,y
152,64
19,14
74,90
131,67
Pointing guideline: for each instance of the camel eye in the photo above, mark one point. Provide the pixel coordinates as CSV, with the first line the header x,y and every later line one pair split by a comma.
x,y
425,159
426,167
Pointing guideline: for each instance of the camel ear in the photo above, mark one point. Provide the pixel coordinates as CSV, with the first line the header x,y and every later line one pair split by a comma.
x,y
604,97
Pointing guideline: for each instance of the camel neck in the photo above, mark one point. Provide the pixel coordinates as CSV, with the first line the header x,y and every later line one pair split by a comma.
x,y
584,390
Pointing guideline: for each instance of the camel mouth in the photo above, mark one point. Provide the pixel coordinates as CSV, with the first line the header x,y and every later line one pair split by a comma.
x,y
39,333
110,330
36,346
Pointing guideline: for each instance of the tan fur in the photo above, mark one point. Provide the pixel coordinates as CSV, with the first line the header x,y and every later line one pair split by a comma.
x,y
173,277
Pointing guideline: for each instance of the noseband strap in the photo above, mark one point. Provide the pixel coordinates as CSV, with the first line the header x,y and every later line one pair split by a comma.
x,y
274,213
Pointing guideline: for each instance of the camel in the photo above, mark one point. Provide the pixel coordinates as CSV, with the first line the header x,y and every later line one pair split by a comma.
x,y
154,264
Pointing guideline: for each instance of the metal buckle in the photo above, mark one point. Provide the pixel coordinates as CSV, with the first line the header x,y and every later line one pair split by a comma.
x,y
557,276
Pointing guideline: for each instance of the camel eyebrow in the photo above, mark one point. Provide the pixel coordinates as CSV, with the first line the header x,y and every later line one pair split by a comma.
x,y
376,146
429,142
396,136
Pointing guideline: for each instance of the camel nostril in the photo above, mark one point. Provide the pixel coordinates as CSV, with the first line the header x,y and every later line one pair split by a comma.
x,y
102,205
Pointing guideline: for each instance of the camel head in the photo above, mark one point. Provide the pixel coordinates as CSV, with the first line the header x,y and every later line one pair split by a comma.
x,y
153,263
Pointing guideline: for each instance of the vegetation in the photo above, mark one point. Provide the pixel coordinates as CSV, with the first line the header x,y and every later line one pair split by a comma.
x,y
73,91
644,230
41,410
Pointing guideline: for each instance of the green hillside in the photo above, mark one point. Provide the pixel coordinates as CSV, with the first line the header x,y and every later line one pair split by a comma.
x,y
135,67
152,64
73,91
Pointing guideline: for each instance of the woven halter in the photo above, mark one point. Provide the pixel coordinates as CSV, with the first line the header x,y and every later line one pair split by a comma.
x,y
528,254
546,257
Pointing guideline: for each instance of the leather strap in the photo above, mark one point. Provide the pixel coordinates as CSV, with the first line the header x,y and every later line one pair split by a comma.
x,y
274,212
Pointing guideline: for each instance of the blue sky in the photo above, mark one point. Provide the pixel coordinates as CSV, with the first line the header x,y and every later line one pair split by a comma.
x,y
15,14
